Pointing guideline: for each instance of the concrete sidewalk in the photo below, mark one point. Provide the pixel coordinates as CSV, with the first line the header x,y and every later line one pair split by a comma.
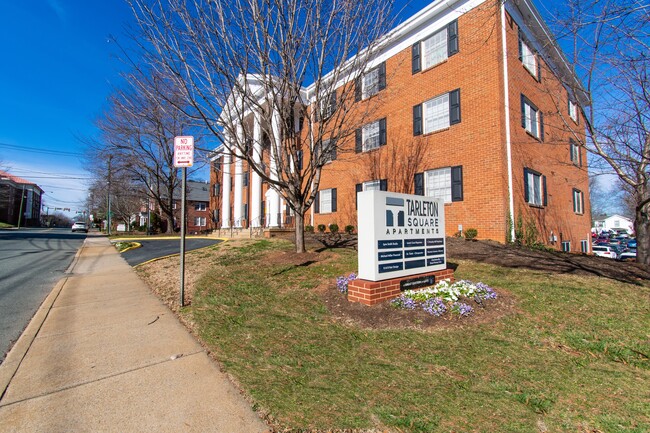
x,y
103,354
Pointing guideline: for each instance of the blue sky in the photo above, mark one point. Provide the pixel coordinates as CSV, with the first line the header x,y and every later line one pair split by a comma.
x,y
58,68
59,65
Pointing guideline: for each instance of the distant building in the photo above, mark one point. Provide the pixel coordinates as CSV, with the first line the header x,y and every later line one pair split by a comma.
x,y
198,207
18,196
614,222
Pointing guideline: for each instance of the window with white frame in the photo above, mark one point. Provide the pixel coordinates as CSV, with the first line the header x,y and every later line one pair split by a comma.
x,y
325,201
199,206
372,185
437,183
575,154
531,118
534,184
436,113
370,136
584,246
199,221
578,201
566,246
370,83
573,111
528,57
327,148
434,49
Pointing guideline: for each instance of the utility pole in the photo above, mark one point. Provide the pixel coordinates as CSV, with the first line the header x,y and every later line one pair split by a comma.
x,y
108,214
22,199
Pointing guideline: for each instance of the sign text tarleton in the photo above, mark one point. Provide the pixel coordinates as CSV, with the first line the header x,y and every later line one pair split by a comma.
x,y
399,235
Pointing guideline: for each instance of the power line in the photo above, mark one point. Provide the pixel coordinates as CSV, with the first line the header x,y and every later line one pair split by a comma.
x,y
38,150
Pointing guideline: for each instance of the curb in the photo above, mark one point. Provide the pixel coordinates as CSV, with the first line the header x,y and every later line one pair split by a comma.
x,y
223,241
17,353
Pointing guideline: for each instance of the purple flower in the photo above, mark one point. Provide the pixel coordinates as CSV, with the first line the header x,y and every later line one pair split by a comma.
x,y
462,309
434,306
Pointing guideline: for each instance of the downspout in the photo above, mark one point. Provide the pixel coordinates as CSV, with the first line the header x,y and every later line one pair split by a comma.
x,y
506,103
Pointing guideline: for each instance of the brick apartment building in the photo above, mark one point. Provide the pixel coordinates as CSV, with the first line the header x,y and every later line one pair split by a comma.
x,y
18,194
472,107
197,205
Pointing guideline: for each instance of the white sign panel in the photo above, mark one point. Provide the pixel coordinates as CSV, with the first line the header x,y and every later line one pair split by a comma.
x,y
183,151
399,235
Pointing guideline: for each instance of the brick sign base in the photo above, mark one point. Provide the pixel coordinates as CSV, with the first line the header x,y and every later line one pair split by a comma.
x,y
374,292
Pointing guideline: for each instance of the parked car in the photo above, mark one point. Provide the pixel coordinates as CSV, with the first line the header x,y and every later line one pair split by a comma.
x,y
628,255
79,227
631,243
604,251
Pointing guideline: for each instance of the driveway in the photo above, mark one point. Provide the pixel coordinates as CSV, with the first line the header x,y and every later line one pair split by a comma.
x,y
156,248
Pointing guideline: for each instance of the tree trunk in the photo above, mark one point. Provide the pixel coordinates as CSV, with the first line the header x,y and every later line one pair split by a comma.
x,y
642,229
300,232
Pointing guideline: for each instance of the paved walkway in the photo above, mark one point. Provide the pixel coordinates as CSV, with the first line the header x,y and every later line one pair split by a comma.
x,y
103,354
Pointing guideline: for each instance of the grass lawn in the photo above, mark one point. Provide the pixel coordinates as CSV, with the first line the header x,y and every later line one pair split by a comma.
x,y
572,356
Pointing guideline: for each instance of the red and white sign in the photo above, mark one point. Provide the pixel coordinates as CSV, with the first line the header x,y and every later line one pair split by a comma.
x,y
183,151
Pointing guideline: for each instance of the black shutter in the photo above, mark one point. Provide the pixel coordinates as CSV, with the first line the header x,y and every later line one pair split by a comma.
x,y
358,141
245,211
317,202
383,185
526,195
579,154
582,202
358,89
521,51
523,111
419,183
417,120
333,150
452,38
454,107
333,199
541,125
415,58
457,183
382,132
539,68
544,187
382,76
359,188
299,160
245,179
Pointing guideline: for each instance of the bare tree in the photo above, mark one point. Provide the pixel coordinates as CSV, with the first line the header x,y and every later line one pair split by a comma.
x,y
611,42
137,140
239,59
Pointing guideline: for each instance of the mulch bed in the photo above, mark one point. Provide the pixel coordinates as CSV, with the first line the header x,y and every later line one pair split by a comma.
x,y
382,316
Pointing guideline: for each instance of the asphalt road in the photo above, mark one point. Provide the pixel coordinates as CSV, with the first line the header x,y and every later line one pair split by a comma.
x,y
155,248
31,262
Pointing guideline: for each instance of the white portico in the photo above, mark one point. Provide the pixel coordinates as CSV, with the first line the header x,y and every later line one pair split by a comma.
x,y
255,132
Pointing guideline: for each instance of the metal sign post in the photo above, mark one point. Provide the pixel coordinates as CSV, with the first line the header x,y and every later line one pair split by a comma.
x,y
183,158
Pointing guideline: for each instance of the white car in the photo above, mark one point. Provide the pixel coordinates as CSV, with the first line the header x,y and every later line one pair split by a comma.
x,y
628,256
604,251
79,227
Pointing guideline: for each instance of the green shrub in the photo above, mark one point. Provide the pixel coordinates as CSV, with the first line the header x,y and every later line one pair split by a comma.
x,y
349,229
321,228
309,229
471,233
334,228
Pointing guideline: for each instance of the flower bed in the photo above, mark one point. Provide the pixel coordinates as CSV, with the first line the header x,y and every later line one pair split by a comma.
x,y
444,297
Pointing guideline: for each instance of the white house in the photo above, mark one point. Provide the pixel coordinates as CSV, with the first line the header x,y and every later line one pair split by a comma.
x,y
614,222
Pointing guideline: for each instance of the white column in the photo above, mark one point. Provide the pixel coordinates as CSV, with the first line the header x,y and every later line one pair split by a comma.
x,y
274,197
225,191
239,180
256,180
